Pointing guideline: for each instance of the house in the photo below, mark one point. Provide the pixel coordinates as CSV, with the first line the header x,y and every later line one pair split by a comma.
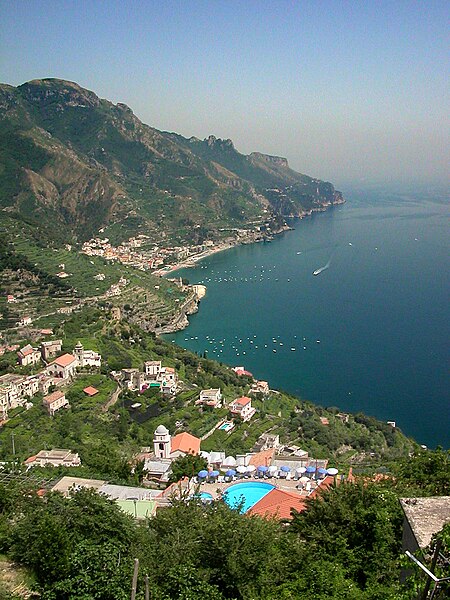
x,y
25,321
15,390
64,366
86,358
184,443
10,299
211,397
90,391
55,458
260,387
55,401
242,407
134,379
241,372
28,355
165,446
50,349
152,368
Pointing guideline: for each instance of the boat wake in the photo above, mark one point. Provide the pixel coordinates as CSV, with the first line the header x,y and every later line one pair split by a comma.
x,y
321,269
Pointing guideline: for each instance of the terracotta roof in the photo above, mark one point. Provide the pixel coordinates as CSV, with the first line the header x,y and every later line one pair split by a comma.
x,y
90,391
64,361
324,485
53,397
185,442
31,459
242,401
278,503
263,458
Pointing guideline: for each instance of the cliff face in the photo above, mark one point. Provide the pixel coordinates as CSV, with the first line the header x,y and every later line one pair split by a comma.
x,y
83,163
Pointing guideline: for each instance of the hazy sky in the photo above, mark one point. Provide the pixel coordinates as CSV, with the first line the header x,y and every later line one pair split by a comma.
x,y
347,91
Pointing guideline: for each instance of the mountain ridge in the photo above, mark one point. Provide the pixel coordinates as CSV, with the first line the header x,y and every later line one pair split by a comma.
x,y
86,163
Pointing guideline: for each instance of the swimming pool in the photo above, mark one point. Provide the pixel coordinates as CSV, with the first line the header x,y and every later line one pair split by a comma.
x,y
227,426
250,492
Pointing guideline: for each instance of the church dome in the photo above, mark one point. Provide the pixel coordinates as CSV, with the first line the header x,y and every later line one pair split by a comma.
x,y
161,430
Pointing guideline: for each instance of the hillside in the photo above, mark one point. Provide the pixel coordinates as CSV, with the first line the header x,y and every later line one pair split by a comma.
x,y
80,163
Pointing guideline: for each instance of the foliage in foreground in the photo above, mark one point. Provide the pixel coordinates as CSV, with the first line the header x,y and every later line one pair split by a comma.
x,y
345,546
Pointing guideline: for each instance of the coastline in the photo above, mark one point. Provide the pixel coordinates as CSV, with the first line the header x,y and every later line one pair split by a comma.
x,y
250,238
181,321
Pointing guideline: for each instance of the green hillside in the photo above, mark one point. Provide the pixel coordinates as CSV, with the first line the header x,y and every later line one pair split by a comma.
x,y
79,163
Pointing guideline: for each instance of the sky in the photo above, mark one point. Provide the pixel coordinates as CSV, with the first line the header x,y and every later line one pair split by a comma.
x,y
350,92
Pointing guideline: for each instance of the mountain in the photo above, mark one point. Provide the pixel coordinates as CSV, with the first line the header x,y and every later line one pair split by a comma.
x,y
72,163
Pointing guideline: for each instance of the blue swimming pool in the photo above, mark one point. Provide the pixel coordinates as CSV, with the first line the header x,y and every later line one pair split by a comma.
x,y
250,492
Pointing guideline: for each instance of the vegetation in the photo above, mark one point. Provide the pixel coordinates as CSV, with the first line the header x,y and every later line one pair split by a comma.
x,y
346,544
60,142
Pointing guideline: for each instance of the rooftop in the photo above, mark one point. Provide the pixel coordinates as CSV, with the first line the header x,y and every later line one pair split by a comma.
x,y
64,360
278,503
426,516
90,391
185,442
53,397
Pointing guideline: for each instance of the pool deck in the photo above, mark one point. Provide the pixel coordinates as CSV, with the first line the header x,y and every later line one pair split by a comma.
x,y
287,485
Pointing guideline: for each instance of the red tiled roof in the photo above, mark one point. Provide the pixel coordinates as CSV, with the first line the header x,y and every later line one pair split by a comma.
x,y
31,459
185,442
64,361
242,401
278,503
90,391
263,458
53,397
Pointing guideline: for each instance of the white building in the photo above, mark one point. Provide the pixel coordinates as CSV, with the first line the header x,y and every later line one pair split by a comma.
x,y
64,366
28,355
162,442
243,408
211,397
152,368
54,402
87,358
50,349
55,458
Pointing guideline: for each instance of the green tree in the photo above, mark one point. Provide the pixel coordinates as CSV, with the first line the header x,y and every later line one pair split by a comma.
x,y
187,466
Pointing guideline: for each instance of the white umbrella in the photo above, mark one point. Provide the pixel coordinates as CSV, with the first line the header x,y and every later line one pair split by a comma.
x,y
301,470
332,471
304,479
241,469
273,469
230,461
251,468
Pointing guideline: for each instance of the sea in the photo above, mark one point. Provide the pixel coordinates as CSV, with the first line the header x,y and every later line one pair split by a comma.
x,y
369,333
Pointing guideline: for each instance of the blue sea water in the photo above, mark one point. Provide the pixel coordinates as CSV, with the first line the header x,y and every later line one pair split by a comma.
x,y
369,333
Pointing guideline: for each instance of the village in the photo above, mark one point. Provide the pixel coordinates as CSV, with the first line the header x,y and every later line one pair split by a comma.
x,y
296,474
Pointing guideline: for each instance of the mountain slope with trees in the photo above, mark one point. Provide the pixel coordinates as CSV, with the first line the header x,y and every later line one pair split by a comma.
x,y
84,163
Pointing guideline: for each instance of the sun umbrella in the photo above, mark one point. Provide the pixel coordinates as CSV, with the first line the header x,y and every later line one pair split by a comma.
x,y
285,469
273,469
310,469
304,479
321,471
263,469
251,468
333,471
241,469
230,461
301,470
230,473
202,474
214,474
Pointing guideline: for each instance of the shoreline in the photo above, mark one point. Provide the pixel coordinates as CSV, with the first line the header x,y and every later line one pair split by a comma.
x,y
252,238
179,323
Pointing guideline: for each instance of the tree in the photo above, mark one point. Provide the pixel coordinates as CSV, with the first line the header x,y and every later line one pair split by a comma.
x,y
187,466
357,525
